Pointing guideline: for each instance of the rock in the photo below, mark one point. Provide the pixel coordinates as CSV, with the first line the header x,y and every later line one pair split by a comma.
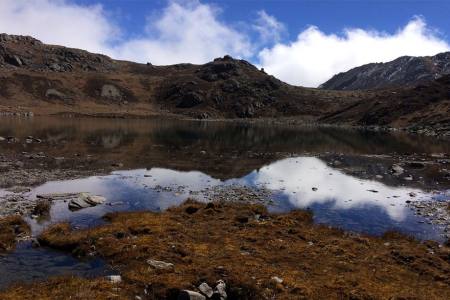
x,y
13,60
35,243
190,295
206,289
409,178
220,290
276,279
396,170
111,92
2,139
85,200
114,279
53,93
161,265
189,100
117,165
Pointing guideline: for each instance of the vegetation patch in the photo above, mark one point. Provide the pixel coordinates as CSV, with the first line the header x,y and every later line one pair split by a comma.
x,y
11,228
257,254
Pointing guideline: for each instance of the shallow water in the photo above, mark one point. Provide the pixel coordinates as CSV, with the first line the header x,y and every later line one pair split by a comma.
x,y
169,161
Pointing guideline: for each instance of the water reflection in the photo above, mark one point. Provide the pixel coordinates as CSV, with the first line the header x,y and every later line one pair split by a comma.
x,y
336,198
27,264
298,179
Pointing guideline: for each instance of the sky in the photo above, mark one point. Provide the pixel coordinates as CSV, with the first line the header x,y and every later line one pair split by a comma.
x,y
301,42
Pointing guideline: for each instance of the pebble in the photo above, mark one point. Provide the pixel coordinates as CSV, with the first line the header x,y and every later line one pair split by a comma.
x,y
276,279
114,278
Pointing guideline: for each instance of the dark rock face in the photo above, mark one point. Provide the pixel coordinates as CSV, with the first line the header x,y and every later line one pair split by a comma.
x,y
403,71
189,100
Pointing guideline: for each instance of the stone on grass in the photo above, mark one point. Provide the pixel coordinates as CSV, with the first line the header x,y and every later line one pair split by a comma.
x,y
206,289
114,278
161,265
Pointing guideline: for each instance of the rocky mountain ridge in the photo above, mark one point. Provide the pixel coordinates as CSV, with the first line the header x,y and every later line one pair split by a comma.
x,y
47,79
403,71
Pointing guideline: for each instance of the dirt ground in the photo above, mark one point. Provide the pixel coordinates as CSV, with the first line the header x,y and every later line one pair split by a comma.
x,y
257,254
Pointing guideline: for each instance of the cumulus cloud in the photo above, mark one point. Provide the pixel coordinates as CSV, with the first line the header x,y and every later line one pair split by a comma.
x,y
59,22
191,31
186,32
268,27
315,56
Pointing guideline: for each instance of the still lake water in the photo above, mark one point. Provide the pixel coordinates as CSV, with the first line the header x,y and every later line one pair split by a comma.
x,y
331,171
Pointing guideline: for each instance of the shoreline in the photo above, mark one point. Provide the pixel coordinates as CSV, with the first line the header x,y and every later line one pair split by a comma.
x,y
295,121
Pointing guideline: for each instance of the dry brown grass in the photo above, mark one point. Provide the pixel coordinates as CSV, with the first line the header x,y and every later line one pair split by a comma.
x,y
10,228
229,242
42,208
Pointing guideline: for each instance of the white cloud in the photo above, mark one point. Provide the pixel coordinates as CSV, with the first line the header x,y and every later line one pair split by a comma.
x,y
190,31
268,27
59,22
186,32
315,56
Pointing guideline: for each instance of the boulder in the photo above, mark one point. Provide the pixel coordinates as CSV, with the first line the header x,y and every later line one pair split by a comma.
x,y
53,93
85,200
13,60
206,289
396,170
111,92
220,290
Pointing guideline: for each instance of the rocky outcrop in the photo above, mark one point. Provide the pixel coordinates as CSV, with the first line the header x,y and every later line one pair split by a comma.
x,y
406,70
29,53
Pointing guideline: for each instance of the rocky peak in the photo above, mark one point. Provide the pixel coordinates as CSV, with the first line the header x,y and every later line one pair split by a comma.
x,y
405,70
9,38
29,53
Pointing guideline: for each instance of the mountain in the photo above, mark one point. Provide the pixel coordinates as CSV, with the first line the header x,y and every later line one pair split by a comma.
x,y
53,79
405,70
48,79
419,108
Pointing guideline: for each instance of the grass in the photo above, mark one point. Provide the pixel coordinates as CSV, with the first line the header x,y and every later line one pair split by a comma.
x,y
245,246
11,228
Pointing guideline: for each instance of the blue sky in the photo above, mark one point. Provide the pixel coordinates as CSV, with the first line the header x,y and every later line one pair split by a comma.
x,y
301,42
330,16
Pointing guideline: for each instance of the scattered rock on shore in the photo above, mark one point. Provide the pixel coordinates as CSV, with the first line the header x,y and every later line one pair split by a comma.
x,y
85,200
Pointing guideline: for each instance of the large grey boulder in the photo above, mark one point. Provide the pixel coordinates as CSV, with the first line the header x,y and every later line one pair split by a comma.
x,y
85,200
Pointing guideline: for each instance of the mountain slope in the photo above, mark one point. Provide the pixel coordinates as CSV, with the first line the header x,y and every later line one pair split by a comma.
x,y
46,79
52,79
405,70
423,107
